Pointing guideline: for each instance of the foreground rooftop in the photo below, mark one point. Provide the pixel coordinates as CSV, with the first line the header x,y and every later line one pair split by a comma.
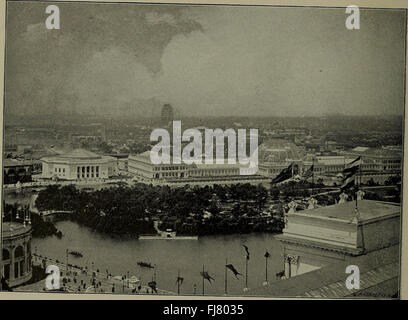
x,y
368,210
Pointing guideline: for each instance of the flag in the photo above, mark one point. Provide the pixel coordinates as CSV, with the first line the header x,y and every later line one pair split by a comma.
x,y
246,251
206,276
179,280
284,175
234,271
308,173
348,179
267,255
355,163
349,173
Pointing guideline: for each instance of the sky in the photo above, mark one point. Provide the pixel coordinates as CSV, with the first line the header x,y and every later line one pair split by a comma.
x,y
130,59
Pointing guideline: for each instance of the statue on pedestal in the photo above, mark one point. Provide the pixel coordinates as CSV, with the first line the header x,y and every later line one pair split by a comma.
x,y
360,194
343,197
312,203
292,207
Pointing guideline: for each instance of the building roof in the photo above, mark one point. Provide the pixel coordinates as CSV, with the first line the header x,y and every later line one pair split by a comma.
x,y
146,157
329,281
224,165
368,210
13,229
360,149
16,163
80,154
331,160
375,152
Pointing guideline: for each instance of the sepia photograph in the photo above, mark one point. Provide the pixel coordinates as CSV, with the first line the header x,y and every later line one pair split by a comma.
x,y
202,150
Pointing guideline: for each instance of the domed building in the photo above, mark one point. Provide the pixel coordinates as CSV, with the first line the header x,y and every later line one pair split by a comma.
x,y
79,164
16,266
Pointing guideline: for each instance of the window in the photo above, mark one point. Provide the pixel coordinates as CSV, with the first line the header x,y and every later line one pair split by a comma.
x,y
7,271
15,270
18,252
21,266
6,254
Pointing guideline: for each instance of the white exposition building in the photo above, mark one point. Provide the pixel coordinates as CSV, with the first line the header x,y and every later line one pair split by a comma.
x,y
79,164
141,166
377,164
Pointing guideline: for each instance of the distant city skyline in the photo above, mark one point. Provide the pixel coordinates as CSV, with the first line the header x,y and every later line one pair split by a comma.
x,y
131,59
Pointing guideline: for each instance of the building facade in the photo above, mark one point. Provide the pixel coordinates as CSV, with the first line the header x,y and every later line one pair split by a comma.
x,y
16,265
378,165
79,164
141,166
17,171
315,238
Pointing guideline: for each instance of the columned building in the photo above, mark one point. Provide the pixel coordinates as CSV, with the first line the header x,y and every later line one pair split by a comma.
x,y
16,265
378,168
79,164
141,166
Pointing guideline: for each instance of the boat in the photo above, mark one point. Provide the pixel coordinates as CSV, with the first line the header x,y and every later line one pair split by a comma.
x,y
169,234
160,237
76,254
145,264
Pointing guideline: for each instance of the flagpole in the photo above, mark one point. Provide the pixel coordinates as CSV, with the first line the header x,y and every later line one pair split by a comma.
x,y
293,187
313,175
203,279
178,282
266,270
226,275
359,169
246,272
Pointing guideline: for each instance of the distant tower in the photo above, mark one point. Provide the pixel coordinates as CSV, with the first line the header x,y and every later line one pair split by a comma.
x,y
166,114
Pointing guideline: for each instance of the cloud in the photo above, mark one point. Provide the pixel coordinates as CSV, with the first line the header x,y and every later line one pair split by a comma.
x,y
239,64
234,66
109,80
216,61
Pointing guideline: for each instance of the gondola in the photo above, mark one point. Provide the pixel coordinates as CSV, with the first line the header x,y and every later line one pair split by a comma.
x,y
145,264
76,254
